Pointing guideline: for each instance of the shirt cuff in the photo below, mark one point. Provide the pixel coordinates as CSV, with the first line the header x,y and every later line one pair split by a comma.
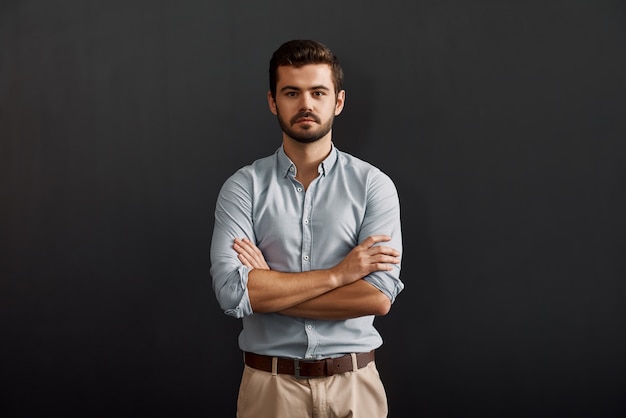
x,y
244,308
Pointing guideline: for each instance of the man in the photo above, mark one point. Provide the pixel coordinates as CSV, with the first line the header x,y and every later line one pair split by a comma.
x,y
306,250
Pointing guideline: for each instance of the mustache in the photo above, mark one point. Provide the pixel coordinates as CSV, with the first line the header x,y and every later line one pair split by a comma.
x,y
304,115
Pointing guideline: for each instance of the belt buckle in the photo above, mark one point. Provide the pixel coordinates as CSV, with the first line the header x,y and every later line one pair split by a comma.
x,y
296,369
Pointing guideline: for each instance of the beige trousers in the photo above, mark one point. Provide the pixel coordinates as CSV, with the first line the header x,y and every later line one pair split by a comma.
x,y
353,394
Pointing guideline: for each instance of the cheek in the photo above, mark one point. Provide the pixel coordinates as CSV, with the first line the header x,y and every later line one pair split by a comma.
x,y
283,107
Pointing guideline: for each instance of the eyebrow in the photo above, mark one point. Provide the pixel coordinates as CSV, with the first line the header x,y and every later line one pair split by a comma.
x,y
320,87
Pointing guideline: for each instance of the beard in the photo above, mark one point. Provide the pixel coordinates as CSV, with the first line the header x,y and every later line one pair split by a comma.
x,y
307,134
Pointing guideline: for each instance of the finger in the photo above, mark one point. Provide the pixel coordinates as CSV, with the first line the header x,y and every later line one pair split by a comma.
x,y
249,243
373,239
244,246
245,256
249,254
250,247
250,262
244,261
381,249
238,245
241,249
382,267
244,242
385,259
253,259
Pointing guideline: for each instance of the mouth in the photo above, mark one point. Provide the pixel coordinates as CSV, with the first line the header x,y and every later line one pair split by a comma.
x,y
304,118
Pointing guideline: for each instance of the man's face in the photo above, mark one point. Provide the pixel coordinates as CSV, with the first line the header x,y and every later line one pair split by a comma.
x,y
306,103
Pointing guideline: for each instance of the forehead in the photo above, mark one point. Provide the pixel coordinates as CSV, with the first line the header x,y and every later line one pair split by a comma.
x,y
305,76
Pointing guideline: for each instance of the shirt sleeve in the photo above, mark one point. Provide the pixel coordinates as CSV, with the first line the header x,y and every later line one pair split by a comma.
x,y
382,216
233,219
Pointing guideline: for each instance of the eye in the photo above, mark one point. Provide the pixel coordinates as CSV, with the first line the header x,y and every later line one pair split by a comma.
x,y
290,94
319,93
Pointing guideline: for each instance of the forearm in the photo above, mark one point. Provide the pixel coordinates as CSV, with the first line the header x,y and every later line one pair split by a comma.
x,y
351,301
274,291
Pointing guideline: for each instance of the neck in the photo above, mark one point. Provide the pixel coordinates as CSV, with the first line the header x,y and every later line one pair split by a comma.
x,y
307,157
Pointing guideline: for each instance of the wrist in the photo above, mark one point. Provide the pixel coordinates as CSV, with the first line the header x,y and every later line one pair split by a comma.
x,y
334,277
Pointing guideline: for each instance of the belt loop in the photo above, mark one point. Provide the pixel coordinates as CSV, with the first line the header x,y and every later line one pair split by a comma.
x,y
274,366
355,365
330,367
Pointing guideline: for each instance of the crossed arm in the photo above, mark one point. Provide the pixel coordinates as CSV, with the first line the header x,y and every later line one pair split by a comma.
x,y
335,293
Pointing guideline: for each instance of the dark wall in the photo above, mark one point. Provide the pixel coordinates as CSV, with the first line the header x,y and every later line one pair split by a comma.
x,y
502,124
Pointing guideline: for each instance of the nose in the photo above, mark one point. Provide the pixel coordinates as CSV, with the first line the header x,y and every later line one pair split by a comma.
x,y
306,103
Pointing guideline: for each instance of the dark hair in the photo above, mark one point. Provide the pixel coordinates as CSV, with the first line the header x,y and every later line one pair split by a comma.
x,y
302,52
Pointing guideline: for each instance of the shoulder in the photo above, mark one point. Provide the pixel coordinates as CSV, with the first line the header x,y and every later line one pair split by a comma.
x,y
246,182
351,162
362,169
249,174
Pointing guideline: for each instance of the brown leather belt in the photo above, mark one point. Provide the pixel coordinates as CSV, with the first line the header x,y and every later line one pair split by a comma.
x,y
305,369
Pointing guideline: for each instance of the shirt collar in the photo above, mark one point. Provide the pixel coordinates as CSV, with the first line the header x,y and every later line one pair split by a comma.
x,y
285,165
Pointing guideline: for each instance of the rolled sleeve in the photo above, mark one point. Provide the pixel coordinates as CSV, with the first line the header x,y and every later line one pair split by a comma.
x,y
232,220
232,293
383,217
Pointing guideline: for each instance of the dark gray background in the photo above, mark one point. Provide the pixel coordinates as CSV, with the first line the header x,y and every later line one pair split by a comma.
x,y
501,122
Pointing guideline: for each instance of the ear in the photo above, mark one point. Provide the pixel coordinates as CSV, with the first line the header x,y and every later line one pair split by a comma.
x,y
272,103
341,100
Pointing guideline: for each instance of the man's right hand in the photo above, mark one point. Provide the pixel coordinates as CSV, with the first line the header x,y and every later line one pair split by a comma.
x,y
366,258
249,254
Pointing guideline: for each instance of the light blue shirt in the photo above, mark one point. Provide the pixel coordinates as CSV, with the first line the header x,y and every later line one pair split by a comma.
x,y
300,230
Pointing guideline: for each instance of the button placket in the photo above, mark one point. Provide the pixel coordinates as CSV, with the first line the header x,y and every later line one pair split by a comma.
x,y
313,340
307,240
307,236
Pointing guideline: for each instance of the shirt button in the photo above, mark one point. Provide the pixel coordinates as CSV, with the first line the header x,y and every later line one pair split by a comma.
x,y
309,327
306,221
306,257
290,168
299,189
